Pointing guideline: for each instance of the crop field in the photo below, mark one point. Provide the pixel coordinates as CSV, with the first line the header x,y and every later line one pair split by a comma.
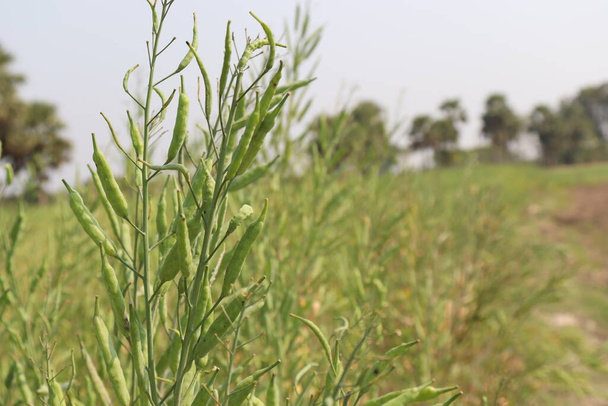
x,y
244,265
483,265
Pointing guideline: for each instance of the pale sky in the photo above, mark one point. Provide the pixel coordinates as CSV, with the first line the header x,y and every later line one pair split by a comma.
x,y
75,52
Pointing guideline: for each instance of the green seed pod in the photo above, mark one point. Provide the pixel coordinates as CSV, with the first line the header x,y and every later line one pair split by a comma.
x,y
181,124
115,196
244,212
251,176
10,174
320,336
105,202
115,294
271,43
88,222
183,247
161,220
221,326
273,394
115,372
398,398
430,393
125,80
250,381
17,228
164,103
139,360
208,89
237,398
169,267
293,86
241,148
368,375
208,187
136,138
186,60
24,388
258,138
98,385
227,56
56,396
241,251
271,90
198,183
170,357
249,50
450,400
202,397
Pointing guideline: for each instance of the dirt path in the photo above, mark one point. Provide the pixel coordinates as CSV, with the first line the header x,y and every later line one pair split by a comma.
x,y
583,227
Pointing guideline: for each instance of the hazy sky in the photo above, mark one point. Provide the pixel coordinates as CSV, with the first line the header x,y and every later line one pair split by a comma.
x,y
75,52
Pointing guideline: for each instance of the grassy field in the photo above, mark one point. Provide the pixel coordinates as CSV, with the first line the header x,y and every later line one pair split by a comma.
x,y
493,268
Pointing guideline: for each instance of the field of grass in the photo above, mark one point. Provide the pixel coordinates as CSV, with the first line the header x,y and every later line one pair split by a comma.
x,y
470,261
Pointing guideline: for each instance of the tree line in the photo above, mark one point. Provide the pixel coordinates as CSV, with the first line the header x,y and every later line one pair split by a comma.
x,y
573,132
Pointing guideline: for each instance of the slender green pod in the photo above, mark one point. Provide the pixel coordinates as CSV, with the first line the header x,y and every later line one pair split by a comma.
x,y
271,90
26,393
137,354
244,212
257,141
56,396
398,398
430,393
136,138
117,301
113,192
181,124
227,56
241,148
17,228
88,221
208,186
9,173
236,398
169,268
164,103
368,375
242,250
125,80
188,57
194,195
271,43
251,176
222,325
450,400
320,336
161,220
249,50
273,394
184,251
98,385
206,81
105,202
243,386
114,369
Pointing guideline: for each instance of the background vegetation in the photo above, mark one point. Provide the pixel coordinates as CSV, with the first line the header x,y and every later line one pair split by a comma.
x,y
468,259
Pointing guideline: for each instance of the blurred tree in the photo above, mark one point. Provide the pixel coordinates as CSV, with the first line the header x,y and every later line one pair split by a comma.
x,y
29,132
500,125
566,136
594,100
440,135
356,139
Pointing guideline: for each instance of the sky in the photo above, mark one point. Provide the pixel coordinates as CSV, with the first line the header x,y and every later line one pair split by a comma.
x,y
406,55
